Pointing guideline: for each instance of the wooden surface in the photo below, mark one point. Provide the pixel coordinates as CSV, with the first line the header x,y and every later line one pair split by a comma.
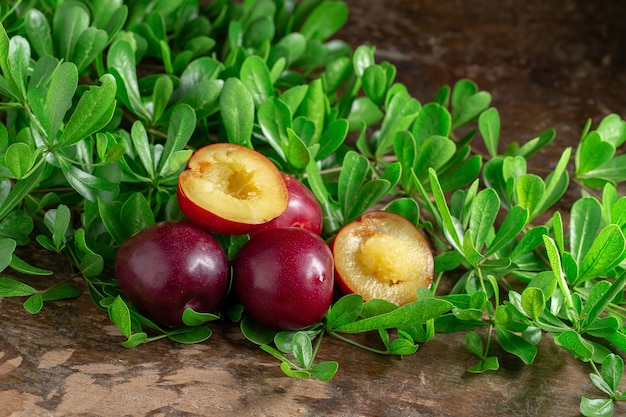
x,y
547,64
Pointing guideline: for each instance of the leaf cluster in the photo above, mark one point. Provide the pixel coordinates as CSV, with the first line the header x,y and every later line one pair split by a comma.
x,y
103,102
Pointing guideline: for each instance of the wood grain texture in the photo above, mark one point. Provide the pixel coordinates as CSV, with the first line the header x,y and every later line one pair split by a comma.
x,y
547,64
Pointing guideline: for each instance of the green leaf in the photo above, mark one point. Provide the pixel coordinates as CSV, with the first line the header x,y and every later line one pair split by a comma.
x,y
516,345
302,349
332,138
606,252
70,20
401,111
371,192
534,145
294,373
409,314
275,118
18,65
447,261
91,265
255,332
58,221
490,363
23,267
191,335
296,152
402,347
596,407
93,111
432,120
474,343
324,371
351,178
489,126
19,159
364,110
255,75
19,191
63,83
182,124
514,222
600,296
603,327
544,281
86,184
10,287
89,45
375,83
612,129
34,303
533,302
326,19
555,263
612,371
444,211
161,93
433,154
109,15
467,103
120,316
376,307
38,31
122,64
345,310
135,339
530,190
405,207
136,214
613,171
313,108
592,153
575,343
585,219
60,292
484,211
195,318
110,214
141,144
556,183
237,110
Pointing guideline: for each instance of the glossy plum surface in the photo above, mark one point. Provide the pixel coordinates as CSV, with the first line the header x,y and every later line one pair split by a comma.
x,y
303,209
284,278
169,267
231,189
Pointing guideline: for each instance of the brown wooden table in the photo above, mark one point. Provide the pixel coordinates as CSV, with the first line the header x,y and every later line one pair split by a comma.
x,y
547,64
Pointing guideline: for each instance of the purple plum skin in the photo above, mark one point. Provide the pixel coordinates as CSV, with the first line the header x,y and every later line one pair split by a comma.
x,y
303,209
284,278
171,266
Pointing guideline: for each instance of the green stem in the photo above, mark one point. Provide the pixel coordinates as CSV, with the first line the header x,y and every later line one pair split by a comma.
x,y
359,345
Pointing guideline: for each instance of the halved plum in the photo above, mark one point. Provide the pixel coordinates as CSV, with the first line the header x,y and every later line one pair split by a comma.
x,y
382,255
231,189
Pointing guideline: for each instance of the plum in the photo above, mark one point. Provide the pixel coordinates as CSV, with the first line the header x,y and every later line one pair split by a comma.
x,y
231,189
382,255
284,278
303,209
169,267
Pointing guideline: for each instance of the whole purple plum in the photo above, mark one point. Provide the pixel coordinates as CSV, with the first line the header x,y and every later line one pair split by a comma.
x,y
284,278
169,267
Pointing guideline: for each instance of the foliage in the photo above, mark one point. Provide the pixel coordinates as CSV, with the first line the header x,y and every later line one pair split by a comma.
x,y
104,101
